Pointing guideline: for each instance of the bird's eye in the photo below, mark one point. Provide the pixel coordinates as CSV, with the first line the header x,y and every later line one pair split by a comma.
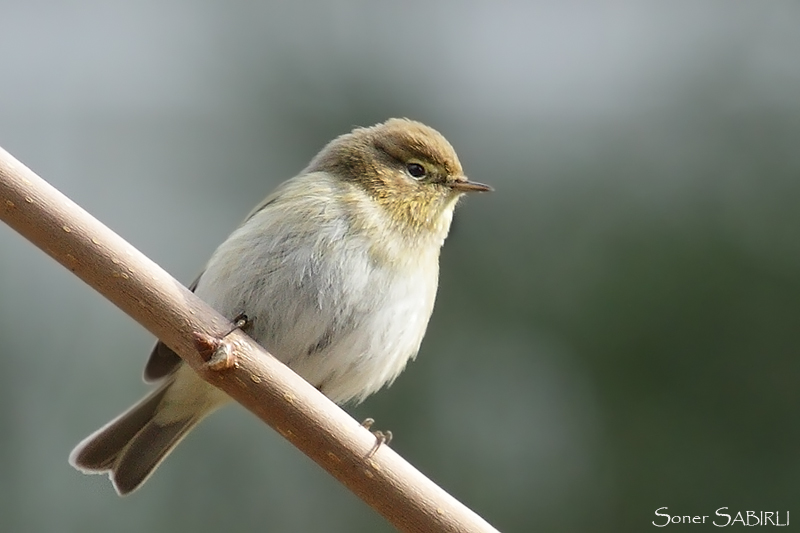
x,y
416,170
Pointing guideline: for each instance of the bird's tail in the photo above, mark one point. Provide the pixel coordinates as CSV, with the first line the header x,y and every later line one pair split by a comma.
x,y
131,446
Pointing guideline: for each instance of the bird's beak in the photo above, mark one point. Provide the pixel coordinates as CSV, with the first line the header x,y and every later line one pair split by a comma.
x,y
463,184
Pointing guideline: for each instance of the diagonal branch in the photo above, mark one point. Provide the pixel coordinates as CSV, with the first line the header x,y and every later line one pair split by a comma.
x,y
135,284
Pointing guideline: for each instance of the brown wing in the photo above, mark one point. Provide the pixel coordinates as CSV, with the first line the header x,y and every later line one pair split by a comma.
x,y
163,361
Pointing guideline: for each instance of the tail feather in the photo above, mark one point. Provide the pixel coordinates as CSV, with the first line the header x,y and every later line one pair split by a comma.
x,y
98,452
131,446
145,452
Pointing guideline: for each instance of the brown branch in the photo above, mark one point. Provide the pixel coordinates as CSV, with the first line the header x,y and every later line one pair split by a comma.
x,y
320,429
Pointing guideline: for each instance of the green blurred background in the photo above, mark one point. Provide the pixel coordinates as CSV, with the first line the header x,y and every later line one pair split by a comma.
x,y
617,325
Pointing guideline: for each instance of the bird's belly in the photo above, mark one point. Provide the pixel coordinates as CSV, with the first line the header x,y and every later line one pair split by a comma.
x,y
347,326
371,350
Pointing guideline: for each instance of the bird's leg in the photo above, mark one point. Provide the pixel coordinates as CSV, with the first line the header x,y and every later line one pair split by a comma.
x,y
223,357
381,437
218,352
242,322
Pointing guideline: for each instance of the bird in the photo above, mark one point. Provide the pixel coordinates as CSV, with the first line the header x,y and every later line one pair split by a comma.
x,y
338,269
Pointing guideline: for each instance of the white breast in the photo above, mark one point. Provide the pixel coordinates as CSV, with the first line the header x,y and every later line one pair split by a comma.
x,y
320,301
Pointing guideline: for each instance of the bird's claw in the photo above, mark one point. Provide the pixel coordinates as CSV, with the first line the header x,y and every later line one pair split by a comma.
x,y
242,322
381,437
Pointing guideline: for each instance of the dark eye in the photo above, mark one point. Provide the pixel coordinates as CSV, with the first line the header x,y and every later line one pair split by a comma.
x,y
416,170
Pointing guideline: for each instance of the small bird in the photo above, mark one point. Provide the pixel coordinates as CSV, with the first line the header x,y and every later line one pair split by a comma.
x,y
338,269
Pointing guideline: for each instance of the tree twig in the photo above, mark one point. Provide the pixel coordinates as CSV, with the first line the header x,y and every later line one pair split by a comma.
x,y
135,284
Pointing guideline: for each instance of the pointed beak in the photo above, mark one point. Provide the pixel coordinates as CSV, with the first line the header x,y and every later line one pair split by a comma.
x,y
465,185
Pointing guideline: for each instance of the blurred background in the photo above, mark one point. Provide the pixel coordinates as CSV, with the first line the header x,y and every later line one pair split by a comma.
x,y
617,325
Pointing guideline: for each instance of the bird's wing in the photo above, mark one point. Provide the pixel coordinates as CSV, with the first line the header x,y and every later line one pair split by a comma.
x,y
163,361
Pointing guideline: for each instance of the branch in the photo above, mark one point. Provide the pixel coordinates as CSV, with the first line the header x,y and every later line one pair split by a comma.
x,y
265,386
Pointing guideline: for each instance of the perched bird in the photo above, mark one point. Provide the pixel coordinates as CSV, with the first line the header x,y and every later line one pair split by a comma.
x,y
338,268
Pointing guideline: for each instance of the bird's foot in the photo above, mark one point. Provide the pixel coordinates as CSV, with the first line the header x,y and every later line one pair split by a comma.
x,y
381,437
242,322
217,352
